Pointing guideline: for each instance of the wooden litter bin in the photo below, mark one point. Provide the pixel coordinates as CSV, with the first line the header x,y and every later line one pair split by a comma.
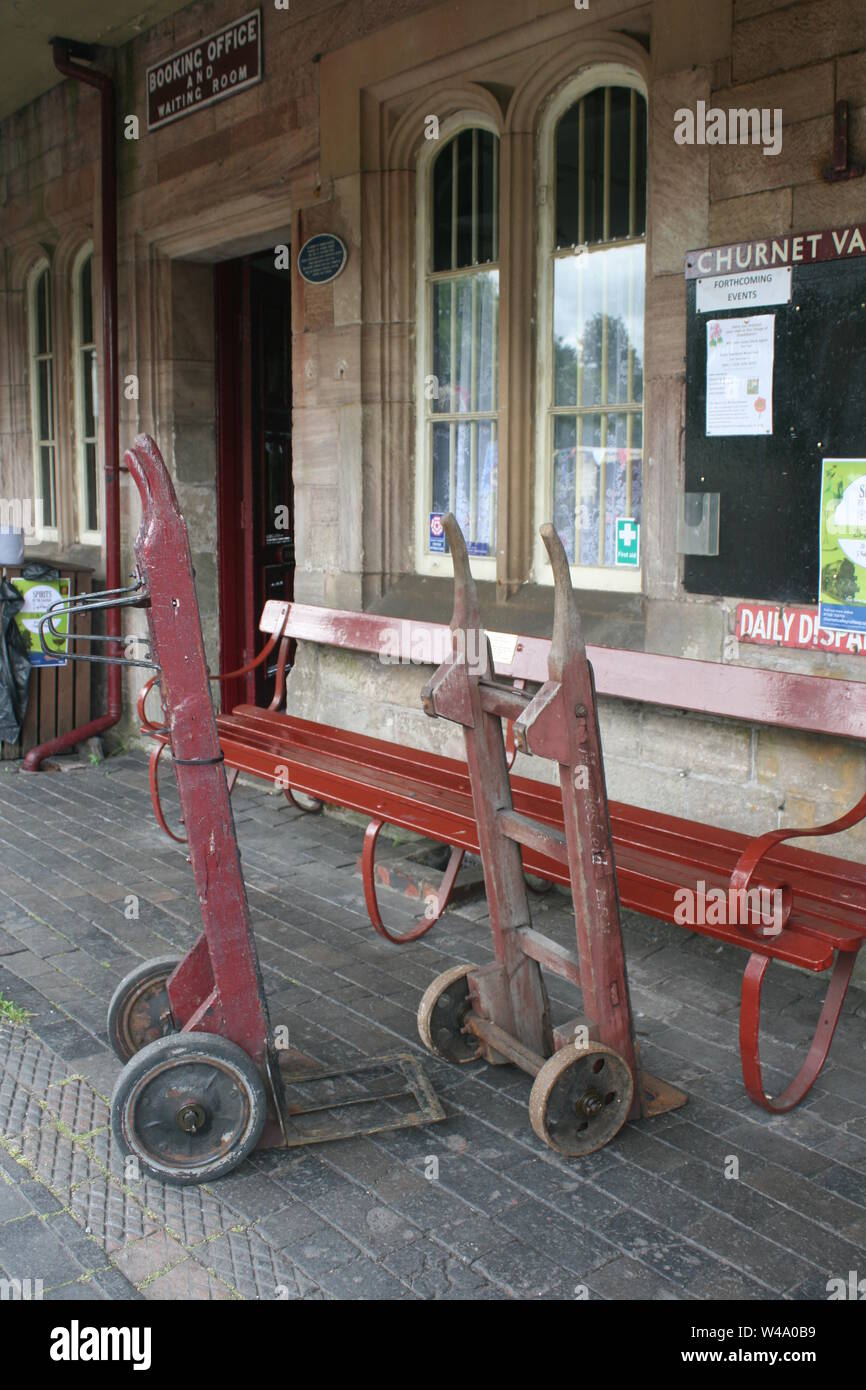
x,y
59,696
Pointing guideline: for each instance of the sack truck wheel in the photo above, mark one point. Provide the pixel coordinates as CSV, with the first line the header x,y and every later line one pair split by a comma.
x,y
139,1011
190,1108
580,1099
441,1013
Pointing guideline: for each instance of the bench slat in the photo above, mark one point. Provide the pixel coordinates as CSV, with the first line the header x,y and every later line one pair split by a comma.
x,y
429,794
824,882
781,698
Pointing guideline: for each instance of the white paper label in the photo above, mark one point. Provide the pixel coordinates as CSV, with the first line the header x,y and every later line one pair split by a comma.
x,y
747,291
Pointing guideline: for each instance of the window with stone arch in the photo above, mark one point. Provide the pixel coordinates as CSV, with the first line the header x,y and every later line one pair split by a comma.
x,y
592,262
458,343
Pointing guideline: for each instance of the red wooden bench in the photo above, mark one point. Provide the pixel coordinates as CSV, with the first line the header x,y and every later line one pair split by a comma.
x,y
657,855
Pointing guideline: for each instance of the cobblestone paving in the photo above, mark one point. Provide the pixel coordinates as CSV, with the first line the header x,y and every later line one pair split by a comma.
x,y
89,887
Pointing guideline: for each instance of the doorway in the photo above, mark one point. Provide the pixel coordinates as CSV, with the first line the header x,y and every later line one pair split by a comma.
x,y
255,522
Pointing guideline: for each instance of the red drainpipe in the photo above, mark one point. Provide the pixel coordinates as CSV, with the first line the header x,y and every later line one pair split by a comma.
x,y
65,50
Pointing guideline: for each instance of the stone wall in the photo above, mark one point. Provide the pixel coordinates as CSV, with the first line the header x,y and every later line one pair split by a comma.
x,y
326,142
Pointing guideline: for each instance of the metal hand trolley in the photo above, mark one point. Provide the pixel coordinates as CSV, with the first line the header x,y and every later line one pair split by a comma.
x,y
204,1083
588,1076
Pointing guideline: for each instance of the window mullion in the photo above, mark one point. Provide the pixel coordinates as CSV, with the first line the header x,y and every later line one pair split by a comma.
x,y
606,176
632,162
581,173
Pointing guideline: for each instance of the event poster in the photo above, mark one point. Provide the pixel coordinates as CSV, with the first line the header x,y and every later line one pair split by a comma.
x,y
740,375
842,564
39,595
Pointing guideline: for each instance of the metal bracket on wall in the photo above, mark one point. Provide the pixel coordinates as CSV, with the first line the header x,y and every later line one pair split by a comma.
x,y
698,523
841,169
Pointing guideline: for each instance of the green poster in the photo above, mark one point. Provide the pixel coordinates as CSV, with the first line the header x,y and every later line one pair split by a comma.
x,y
627,541
39,595
842,563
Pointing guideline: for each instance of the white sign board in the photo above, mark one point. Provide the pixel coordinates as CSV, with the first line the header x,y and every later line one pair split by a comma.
x,y
750,290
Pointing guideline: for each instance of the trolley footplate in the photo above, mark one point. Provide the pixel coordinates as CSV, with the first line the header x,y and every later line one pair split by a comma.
x,y
369,1097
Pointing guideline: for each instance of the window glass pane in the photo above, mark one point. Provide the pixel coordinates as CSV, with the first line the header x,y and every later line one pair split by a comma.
x,y
43,328
464,336
465,320
598,318
621,324
474,500
441,468
567,175
593,178
464,198
640,167
580,189
462,385
597,479
45,426
86,288
487,328
483,531
565,480
443,294
46,469
620,147
464,230
87,392
488,213
442,209
91,487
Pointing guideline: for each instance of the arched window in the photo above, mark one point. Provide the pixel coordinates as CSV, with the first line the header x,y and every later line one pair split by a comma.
x,y
595,234
86,398
42,397
458,343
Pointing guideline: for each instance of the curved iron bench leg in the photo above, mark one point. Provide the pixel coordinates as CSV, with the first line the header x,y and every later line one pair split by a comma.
x,y
750,1024
430,918
314,810
155,755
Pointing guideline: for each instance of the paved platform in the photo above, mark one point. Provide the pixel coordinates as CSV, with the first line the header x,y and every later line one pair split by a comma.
x,y
718,1200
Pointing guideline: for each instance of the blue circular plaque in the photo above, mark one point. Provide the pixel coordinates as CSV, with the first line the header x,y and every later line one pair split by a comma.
x,y
322,258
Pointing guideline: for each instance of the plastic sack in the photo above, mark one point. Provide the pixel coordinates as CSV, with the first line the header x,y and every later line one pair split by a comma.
x,y
14,666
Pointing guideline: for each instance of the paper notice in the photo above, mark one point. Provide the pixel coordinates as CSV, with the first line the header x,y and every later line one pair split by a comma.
x,y
740,375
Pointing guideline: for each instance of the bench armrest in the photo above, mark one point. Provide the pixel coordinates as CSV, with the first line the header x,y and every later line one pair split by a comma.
x,y
263,655
756,850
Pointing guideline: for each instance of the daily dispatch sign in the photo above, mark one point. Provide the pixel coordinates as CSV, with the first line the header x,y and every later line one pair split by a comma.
x,y
771,625
215,67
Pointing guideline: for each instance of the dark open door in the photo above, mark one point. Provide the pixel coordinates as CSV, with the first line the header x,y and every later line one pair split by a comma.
x,y
254,428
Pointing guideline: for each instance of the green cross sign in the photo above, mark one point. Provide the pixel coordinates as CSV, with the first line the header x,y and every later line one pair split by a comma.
x,y
627,541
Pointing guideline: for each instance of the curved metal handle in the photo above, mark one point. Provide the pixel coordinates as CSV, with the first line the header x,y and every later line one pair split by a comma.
x,y
467,613
567,640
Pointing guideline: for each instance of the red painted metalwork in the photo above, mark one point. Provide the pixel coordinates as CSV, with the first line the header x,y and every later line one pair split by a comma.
x,y
656,854
750,1025
824,896
558,723
433,912
759,696
156,802
64,52
217,988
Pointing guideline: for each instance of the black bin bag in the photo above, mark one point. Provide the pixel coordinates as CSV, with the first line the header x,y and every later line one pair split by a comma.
x,y
14,666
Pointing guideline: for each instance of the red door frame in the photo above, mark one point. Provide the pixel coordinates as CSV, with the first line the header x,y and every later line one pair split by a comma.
x,y
237,616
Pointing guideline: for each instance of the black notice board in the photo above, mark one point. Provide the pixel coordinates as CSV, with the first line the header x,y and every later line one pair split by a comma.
x,y
770,486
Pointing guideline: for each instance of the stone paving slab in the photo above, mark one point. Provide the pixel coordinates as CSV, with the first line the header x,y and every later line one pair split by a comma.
x,y
718,1200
